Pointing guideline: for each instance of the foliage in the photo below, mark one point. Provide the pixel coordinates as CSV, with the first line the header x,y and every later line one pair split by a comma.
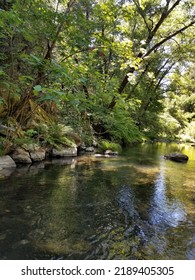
x,y
55,136
100,67
188,134
122,128
22,141
179,113
107,145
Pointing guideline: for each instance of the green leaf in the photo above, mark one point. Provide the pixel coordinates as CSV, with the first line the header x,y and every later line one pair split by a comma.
x,y
36,59
38,88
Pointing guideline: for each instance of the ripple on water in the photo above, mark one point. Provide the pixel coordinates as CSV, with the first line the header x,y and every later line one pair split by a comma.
x,y
136,206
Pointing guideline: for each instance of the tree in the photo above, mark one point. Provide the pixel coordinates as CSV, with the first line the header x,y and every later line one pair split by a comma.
x,y
180,104
100,66
154,30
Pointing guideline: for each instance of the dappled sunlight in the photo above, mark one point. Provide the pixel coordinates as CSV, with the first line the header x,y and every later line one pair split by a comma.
x,y
164,211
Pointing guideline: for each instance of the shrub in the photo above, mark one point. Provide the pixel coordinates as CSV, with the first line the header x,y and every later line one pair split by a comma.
x,y
108,145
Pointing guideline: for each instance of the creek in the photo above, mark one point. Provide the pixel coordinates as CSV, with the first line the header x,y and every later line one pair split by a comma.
x,y
134,206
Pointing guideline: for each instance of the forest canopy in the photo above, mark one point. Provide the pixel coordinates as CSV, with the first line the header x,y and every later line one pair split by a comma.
x,y
116,70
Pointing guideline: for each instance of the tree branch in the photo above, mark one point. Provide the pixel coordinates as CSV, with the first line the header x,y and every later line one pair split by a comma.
x,y
58,31
145,105
157,45
141,12
164,15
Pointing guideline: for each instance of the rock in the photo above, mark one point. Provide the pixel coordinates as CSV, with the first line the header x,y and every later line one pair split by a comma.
x,y
177,157
36,152
64,152
31,147
6,162
37,155
90,149
21,156
111,153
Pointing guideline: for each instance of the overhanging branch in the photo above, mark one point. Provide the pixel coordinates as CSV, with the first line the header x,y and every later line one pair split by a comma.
x,y
157,45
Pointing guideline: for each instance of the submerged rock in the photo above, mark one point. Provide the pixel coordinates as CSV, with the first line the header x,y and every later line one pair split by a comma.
x,y
177,157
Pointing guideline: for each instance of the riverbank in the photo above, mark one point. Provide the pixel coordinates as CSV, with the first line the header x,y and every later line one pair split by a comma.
x,y
22,159
35,156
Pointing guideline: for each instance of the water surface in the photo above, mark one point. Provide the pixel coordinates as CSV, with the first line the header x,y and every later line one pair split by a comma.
x,y
135,206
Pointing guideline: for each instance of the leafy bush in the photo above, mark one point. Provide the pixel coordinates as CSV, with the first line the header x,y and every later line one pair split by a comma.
x,y
54,135
31,133
188,134
121,127
107,145
170,126
22,141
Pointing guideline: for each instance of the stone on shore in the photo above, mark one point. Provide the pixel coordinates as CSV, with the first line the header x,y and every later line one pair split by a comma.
x,y
7,166
7,162
21,156
37,155
64,152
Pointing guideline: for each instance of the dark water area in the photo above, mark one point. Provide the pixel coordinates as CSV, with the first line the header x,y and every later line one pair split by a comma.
x,y
134,206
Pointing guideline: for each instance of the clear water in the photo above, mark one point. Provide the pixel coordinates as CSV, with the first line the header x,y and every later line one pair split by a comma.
x,y
135,206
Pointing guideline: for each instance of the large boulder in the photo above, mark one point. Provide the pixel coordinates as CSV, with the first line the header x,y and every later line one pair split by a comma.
x,y
37,155
21,156
36,152
7,166
177,157
6,162
64,152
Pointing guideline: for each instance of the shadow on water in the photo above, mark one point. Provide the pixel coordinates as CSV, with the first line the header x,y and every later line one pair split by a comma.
x,y
135,206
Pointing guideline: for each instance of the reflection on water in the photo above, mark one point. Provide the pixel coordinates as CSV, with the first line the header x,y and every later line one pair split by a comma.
x,y
135,206
164,210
